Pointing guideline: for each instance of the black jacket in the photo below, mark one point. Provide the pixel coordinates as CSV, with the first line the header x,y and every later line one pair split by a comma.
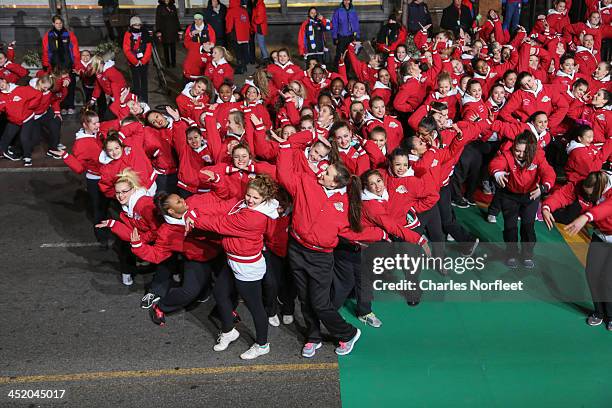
x,y
216,21
167,23
451,20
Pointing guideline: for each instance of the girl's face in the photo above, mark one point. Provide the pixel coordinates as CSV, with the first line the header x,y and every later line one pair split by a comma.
x,y
312,13
114,150
328,178
595,19
457,67
568,66
194,140
534,61
287,131
177,206
318,152
85,57
317,74
401,53
134,107
234,126
198,89
519,151
528,83
463,83
307,125
252,95
419,147
586,138
274,56
123,192
384,77
400,165
252,198
601,71
325,114
580,91
359,90
295,87
157,120
336,88
93,126
475,91
444,87
324,100
379,138
283,57
376,185
498,95
510,80
217,54
378,109
541,123
441,118
599,100
241,158
343,137
225,93
357,111
560,7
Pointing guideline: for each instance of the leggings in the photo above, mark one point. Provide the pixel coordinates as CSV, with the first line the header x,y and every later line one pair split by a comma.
x,y
467,171
99,205
196,276
278,285
251,292
599,277
514,205
52,125
27,136
347,276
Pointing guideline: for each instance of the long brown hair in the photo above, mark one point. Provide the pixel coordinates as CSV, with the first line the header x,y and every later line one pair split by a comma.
x,y
353,188
597,180
528,139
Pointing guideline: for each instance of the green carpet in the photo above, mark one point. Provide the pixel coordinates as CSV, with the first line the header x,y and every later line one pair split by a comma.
x,y
483,353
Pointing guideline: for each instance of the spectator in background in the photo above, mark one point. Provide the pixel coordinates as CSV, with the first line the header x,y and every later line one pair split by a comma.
x,y
259,27
137,50
215,15
345,27
391,34
311,37
512,13
167,28
237,22
60,53
109,7
417,15
457,16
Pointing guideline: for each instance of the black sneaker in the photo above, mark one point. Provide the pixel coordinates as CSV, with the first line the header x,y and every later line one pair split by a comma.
x,y
470,201
609,326
27,161
53,155
11,155
149,300
529,263
594,320
460,203
470,248
157,316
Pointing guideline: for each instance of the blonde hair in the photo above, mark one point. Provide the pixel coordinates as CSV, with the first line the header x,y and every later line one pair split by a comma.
x,y
45,78
97,64
226,54
302,93
130,177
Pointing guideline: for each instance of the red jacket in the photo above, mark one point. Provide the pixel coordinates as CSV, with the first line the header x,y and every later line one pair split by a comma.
x,y
133,158
452,100
218,72
110,82
587,59
283,74
12,72
19,103
583,160
231,182
355,159
392,126
46,50
276,236
363,70
190,106
134,49
259,19
190,163
601,122
158,146
237,21
376,211
85,155
197,57
383,91
139,213
522,180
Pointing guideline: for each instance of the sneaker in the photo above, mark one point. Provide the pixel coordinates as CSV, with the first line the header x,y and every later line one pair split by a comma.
x,y
11,155
346,347
274,320
71,111
491,219
61,146
593,320
224,339
157,316
528,263
310,349
64,111
609,326
488,188
512,263
127,279
53,155
449,238
472,248
470,201
460,203
176,277
287,319
371,320
149,300
255,351
203,299
27,162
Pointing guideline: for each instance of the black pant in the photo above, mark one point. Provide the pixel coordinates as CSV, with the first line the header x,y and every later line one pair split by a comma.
x,y
167,183
127,260
160,285
51,125
225,286
99,206
448,219
140,85
347,276
196,276
242,51
495,205
467,171
170,54
278,285
431,226
181,192
10,131
343,43
599,276
27,136
313,273
514,205
68,102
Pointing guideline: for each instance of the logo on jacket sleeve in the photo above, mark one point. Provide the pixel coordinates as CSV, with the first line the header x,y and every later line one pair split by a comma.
x,y
393,125
401,189
16,98
546,99
339,206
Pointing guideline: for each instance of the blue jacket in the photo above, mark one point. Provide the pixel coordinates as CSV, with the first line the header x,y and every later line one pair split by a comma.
x,y
345,22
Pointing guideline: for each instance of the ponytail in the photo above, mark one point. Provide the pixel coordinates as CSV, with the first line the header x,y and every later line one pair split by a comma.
x,y
130,177
161,202
353,188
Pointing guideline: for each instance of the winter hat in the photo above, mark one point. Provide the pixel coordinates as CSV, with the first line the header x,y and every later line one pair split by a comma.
x,y
135,20
198,16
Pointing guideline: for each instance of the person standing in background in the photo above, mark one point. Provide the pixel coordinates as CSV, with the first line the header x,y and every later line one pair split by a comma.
x,y
457,16
345,27
237,22
259,27
109,7
137,50
311,37
60,52
512,13
167,28
215,15
418,15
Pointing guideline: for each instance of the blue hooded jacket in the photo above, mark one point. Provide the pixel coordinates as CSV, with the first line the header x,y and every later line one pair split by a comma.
x,y
345,22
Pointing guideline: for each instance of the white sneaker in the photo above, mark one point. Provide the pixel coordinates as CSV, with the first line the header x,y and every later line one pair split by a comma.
x,y
255,351
274,321
61,146
287,319
450,238
492,219
127,279
224,339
